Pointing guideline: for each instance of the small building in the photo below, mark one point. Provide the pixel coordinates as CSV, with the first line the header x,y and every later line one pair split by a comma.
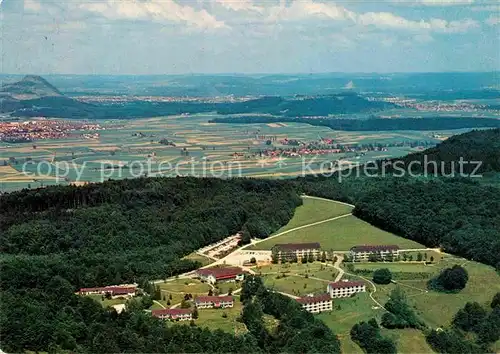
x,y
173,314
114,291
345,288
301,250
209,302
382,252
316,303
224,274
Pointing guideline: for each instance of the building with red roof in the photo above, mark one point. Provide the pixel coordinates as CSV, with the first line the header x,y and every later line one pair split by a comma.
x,y
345,288
316,303
173,314
209,302
218,274
363,252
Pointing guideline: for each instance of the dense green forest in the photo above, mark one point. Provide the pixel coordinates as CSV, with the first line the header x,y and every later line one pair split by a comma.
x,y
121,230
372,124
480,145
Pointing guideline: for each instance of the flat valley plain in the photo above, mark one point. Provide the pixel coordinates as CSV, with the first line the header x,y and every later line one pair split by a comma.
x,y
201,149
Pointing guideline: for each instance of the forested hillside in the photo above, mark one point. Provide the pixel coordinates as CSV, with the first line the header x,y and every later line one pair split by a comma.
x,y
480,145
121,230
58,239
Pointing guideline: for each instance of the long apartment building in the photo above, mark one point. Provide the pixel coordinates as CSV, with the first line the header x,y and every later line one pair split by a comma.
x,y
210,302
316,303
300,250
363,253
173,314
345,288
115,291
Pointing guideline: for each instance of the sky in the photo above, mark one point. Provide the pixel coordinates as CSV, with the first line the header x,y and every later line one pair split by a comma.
x,y
248,36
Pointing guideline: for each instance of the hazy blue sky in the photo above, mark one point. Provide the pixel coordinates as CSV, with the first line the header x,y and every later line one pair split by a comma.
x,y
248,36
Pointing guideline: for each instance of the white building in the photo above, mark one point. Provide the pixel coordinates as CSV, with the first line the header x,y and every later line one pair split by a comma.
x,y
300,250
317,303
173,314
209,302
382,252
345,288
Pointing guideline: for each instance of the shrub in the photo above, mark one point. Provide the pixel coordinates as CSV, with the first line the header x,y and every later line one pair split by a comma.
x,y
451,279
382,276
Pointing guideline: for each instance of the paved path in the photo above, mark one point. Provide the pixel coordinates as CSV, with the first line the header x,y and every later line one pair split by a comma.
x,y
336,265
342,272
159,303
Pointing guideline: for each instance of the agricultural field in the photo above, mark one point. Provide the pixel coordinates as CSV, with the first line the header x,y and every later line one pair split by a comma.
x,y
131,148
340,235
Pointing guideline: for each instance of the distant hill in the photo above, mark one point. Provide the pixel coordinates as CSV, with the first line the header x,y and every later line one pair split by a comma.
x,y
373,124
30,87
478,145
342,103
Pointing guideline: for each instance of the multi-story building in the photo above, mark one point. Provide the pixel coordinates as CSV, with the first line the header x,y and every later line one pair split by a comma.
x,y
209,302
345,288
381,252
173,314
114,291
226,274
316,303
301,250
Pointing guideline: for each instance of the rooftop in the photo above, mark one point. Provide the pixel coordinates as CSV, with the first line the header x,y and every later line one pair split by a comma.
x,y
201,299
170,312
345,284
221,273
374,248
314,299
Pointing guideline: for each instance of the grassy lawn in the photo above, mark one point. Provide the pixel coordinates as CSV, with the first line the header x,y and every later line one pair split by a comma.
x,y
437,309
316,269
436,256
225,287
352,310
408,341
314,210
340,235
198,257
193,286
396,267
107,302
297,286
212,318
